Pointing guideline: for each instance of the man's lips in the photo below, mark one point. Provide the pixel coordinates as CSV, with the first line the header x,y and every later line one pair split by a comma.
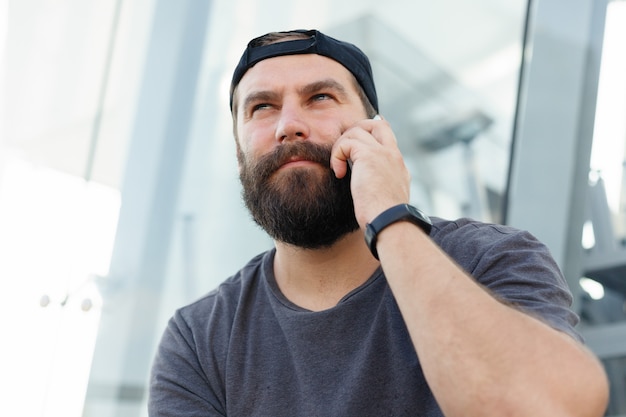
x,y
296,162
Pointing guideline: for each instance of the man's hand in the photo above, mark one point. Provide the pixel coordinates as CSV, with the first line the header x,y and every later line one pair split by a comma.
x,y
380,178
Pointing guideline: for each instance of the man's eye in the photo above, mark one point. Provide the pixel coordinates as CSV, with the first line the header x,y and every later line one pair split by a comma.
x,y
260,106
321,96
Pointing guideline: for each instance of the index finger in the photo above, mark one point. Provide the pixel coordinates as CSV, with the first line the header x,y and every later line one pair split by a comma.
x,y
340,159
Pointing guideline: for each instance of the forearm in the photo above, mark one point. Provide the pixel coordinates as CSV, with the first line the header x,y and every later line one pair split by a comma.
x,y
480,356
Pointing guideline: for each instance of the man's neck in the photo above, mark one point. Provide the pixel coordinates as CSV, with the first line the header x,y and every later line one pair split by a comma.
x,y
317,279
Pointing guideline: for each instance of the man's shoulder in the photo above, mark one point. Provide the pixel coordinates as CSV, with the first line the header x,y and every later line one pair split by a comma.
x,y
468,241
225,299
464,231
444,227
205,326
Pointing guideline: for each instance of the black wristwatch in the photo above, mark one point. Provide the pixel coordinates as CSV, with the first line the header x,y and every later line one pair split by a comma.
x,y
401,212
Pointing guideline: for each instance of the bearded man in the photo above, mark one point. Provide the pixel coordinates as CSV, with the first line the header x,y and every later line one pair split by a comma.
x,y
365,306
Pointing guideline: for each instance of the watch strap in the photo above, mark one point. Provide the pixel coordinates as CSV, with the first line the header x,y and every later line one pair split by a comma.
x,y
401,212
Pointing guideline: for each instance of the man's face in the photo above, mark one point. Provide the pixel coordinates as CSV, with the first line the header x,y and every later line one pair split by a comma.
x,y
290,110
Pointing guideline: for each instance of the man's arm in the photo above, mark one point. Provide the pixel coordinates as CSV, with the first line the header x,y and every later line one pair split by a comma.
x,y
481,357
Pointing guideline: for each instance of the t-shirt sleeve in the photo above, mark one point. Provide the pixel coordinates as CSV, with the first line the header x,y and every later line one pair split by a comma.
x,y
518,269
179,385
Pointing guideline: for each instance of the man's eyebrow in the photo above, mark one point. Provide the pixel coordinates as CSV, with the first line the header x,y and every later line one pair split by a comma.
x,y
312,88
257,96
326,84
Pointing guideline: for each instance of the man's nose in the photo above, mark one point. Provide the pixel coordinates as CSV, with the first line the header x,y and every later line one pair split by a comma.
x,y
292,125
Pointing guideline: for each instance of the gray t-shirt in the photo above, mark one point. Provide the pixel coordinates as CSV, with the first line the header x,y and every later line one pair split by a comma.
x,y
245,350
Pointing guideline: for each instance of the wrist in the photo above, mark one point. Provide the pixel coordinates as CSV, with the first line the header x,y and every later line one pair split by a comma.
x,y
401,212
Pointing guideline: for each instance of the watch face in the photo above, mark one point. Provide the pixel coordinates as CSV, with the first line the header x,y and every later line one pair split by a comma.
x,y
418,213
414,211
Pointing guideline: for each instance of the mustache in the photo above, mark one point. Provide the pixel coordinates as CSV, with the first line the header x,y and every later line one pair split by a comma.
x,y
268,164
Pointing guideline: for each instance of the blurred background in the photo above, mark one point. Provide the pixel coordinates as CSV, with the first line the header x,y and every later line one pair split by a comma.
x,y
119,196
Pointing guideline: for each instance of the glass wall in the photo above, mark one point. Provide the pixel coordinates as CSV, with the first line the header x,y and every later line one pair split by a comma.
x,y
69,71
566,182
605,233
603,306
119,197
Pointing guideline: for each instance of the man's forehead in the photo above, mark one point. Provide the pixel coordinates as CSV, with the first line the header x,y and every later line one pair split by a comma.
x,y
294,70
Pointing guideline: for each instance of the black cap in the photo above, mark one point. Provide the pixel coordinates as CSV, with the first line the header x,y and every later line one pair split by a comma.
x,y
345,53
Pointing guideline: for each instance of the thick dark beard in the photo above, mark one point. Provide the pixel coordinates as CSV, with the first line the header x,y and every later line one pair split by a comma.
x,y
303,207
